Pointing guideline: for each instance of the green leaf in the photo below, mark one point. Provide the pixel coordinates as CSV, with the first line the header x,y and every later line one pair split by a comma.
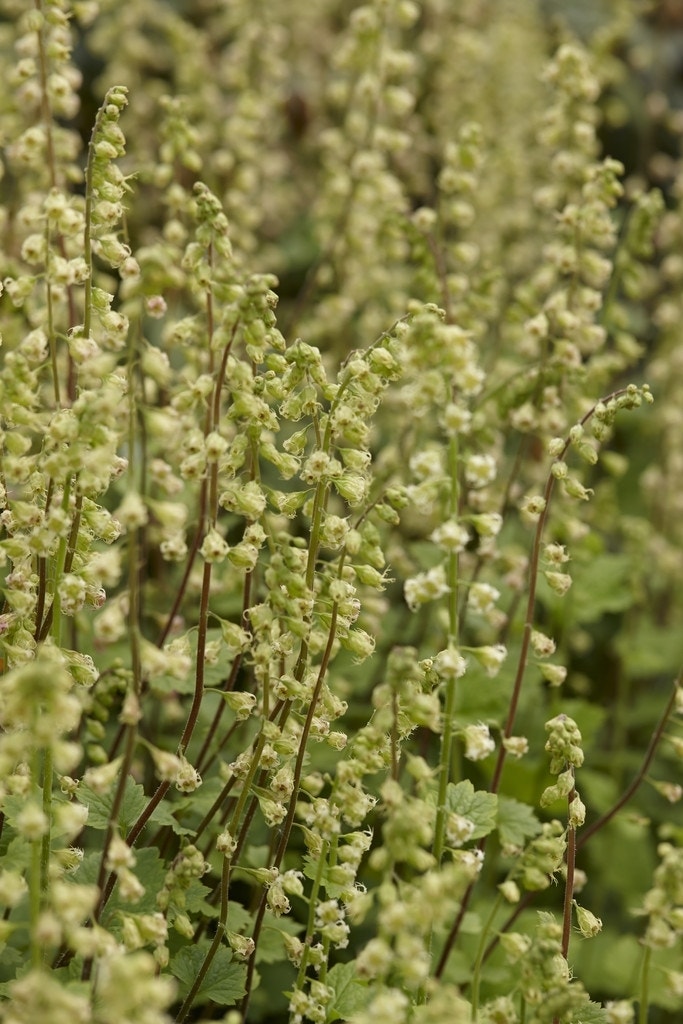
x,y
310,869
477,805
224,982
162,815
99,804
195,899
271,947
592,1013
516,822
602,585
647,650
239,919
215,673
149,868
609,963
350,993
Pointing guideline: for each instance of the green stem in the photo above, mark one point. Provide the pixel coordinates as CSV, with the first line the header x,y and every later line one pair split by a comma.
x,y
312,904
521,669
225,880
476,972
49,309
47,766
645,986
46,110
298,768
213,948
87,231
131,731
569,881
46,842
35,898
446,753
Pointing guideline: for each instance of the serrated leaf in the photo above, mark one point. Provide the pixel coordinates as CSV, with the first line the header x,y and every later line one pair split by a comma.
x,y
239,919
99,804
224,982
592,1013
350,993
478,806
17,854
516,822
149,869
195,899
162,815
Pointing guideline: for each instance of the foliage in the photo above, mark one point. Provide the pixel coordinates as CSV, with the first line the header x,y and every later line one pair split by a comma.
x,y
341,556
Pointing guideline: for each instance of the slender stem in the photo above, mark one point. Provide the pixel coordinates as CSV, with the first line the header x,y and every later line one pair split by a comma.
x,y
655,739
48,770
35,899
52,341
312,904
645,986
476,972
47,623
570,862
569,881
521,669
526,636
213,948
229,684
106,884
225,877
604,819
531,601
42,571
446,752
45,107
298,767
46,844
394,733
191,556
87,229
213,415
200,662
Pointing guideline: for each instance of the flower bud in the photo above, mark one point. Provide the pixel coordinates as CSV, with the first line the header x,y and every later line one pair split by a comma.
x,y
589,924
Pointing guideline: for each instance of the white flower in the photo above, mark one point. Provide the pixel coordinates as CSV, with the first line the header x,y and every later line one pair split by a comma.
x,y
553,674
214,548
188,778
458,829
532,507
560,582
480,470
31,822
491,657
119,855
482,597
451,536
478,742
544,646
516,746
426,586
450,664
132,512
